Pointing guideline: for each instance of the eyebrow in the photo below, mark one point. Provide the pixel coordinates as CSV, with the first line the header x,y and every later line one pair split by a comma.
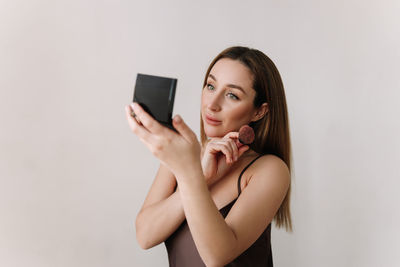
x,y
229,85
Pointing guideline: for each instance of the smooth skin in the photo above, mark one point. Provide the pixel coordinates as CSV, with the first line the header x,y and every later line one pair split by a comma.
x,y
205,175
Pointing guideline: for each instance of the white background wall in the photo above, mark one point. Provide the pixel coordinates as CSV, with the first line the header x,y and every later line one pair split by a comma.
x,y
73,176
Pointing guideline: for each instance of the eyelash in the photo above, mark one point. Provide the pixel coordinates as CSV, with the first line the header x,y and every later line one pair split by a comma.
x,y
235,97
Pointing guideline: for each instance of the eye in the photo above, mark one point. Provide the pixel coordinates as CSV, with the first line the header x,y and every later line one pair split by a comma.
x,y
230,94
233,96
208,86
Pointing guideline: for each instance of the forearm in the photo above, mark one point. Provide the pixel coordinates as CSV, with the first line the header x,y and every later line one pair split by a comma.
x,y
214,239
155,223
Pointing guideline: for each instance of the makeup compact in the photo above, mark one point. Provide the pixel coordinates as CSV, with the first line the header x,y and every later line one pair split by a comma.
x,y
156,94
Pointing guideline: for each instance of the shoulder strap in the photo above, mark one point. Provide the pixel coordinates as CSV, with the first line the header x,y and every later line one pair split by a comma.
x,y
240,176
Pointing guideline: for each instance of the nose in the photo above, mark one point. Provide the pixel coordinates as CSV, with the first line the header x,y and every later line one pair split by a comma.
x,y
214,102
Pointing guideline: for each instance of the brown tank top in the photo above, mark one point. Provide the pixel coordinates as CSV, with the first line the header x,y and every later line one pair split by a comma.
x,y
182,251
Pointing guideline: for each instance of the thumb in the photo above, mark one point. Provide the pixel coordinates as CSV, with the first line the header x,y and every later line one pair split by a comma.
x,y
242,149
182,128
238,144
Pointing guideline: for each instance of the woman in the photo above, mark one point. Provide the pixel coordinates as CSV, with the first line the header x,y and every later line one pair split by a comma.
x,y
212,202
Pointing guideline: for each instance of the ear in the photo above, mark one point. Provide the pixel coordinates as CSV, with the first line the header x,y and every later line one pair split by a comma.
x,y
260,112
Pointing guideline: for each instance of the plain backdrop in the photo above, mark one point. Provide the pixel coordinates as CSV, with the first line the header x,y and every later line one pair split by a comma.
x,y
73,176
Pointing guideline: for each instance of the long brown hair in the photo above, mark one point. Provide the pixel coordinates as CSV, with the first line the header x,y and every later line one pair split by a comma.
x,y
272,131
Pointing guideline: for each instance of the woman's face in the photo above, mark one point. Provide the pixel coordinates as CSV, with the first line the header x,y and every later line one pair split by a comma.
x,y
227,98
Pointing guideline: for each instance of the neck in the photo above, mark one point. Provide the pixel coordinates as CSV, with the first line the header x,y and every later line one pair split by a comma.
x,y
250,153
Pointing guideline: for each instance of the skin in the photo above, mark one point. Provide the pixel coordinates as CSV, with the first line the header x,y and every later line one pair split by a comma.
x,y
232,106
218,240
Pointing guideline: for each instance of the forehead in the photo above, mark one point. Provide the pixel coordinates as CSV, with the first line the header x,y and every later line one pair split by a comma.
x,y
229,71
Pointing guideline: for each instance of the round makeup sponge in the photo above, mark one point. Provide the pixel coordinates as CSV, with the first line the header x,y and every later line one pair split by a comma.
x,y
246,135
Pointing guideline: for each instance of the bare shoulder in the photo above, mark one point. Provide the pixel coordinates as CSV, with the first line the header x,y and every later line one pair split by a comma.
x,y
270,168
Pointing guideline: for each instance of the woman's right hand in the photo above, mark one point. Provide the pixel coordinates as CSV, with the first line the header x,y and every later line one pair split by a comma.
x,y
219,154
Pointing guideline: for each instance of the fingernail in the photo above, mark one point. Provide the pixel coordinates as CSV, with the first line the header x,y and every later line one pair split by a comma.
x,y
178,118
136,106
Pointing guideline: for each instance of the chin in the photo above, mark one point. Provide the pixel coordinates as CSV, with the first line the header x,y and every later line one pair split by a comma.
x,y
213,132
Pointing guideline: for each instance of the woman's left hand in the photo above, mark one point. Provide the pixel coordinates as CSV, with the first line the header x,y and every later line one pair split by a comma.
x,y
179,151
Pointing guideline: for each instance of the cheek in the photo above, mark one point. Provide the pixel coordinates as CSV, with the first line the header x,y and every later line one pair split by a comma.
x,y
203,98
240,115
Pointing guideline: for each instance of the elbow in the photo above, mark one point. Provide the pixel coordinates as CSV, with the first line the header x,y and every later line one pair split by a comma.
x,y
142,240
141,237
143,244
219,260
146,233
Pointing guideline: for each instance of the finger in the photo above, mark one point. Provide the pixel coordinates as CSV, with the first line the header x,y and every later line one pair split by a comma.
x,y
136,127
238,143
225,149
230,144
132,113
234,147
243,149
146,120
235,137
232,135
183,128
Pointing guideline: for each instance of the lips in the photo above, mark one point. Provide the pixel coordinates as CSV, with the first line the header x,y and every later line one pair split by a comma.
x,y
212,121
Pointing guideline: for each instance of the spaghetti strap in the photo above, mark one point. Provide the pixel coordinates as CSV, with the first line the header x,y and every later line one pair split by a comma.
x,y
240,176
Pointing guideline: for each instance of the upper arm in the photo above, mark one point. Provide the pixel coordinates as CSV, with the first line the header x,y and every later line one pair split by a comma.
x,y
163,186
260,200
